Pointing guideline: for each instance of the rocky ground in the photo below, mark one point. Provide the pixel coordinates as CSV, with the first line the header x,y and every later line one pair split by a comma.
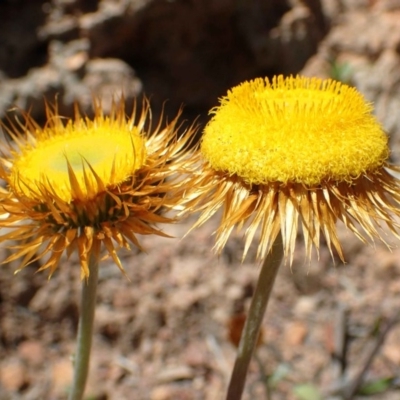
x,y
163,334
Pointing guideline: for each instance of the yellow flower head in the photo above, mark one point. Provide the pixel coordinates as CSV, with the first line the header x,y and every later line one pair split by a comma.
x,y
81,183
294,130
295,149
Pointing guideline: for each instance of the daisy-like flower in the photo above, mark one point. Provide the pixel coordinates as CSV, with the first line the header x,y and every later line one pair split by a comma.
x,y
80,185
293,151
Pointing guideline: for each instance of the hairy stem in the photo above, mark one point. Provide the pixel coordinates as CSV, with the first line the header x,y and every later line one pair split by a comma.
x,y
85,331
254,319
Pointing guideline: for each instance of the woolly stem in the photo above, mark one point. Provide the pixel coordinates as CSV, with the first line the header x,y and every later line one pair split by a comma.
x,y
85,331
254,319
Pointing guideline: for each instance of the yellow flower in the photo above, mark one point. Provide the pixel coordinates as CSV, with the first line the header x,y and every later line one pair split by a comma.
x,y
78,184
292,151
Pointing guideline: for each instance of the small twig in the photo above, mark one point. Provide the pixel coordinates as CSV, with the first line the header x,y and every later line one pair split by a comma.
x,y
340,340
339,352
355,385
264,377
218,354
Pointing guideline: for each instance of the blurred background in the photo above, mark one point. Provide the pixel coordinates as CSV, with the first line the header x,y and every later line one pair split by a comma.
x,y
165,333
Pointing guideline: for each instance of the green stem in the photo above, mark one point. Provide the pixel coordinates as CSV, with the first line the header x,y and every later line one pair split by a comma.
x,y
254,319
85,331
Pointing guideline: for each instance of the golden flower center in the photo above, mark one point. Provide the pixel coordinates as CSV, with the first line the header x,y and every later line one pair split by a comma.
x,y
114,153
302,130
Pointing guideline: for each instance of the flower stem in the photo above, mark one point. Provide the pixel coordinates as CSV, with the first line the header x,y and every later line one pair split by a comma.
x,y
85,331
254,319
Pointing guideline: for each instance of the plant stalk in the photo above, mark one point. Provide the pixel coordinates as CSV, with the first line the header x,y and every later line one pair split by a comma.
x,y
85,331
254,319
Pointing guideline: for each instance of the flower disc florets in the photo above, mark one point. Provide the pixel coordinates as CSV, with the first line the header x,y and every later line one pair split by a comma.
x,y
76,185
294,130
112,150
295,151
